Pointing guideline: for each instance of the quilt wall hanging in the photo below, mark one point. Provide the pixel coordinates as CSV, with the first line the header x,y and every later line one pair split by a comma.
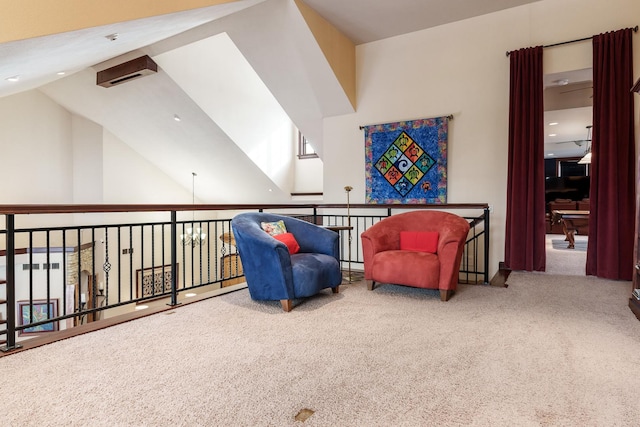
x,y
406,162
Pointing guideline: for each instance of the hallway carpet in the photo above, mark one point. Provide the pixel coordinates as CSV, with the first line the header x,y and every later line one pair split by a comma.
x,y
564,261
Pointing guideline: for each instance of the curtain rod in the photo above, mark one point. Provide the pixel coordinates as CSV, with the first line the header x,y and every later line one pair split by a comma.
x,y
450,117
635,30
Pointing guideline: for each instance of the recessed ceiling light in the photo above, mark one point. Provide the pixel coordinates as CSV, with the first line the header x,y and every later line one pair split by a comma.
x,y
550,154
61,73
190,294
176,118
553,123
552,134
141,307
13,78
111,37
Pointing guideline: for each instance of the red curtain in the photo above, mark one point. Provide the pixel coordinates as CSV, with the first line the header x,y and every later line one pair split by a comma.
x,y
611,221
525,232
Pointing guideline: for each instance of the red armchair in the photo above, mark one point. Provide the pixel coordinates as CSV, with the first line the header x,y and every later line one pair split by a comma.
x,y
386,262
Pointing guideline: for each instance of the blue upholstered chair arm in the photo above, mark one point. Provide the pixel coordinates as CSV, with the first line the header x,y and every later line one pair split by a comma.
x,y
314,239
265,261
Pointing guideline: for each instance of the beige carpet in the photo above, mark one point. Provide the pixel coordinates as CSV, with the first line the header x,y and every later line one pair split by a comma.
x,y
564,261
546,351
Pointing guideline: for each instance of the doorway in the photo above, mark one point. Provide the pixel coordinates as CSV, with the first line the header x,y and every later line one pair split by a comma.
x,y
568,115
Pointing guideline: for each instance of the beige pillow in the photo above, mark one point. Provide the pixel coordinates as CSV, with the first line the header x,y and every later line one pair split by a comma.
x,y
274,228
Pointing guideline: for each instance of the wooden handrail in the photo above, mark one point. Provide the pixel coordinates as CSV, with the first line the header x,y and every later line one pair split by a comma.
x,y
86,208
407,206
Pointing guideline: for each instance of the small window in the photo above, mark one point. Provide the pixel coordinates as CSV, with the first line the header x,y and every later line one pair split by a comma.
x,y
54,266
305,150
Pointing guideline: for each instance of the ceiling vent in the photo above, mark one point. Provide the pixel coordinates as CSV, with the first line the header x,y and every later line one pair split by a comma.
x,y
126,72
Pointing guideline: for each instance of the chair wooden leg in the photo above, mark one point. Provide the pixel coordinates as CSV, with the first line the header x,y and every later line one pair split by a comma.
x,y
336,289
371,284
286,304
445,294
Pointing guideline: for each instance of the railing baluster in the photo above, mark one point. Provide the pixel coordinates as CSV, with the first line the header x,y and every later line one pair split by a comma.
x,y
184,258
209,251
162,250
131,297
153,264
64,272
174,255
93,277
11,284
193,230
487,213
79,276
106,267
141,284
48,273
215,250
118,252
30,277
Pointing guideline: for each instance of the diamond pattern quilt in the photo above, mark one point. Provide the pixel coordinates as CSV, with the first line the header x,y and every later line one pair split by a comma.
x,y
406,162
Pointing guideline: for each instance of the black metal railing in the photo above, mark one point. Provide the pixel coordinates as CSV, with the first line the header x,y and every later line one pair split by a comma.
x,y
475,261
59,277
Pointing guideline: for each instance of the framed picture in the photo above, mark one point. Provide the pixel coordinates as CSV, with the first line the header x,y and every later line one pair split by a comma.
x,y
41,311
154,281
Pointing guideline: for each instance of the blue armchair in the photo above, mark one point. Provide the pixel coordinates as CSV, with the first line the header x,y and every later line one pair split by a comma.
x,y
272,273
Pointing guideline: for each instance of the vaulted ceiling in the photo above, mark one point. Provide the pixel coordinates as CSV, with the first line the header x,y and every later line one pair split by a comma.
x,y
205,55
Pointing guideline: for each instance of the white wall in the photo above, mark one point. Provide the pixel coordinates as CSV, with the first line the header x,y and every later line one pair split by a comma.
x,y
462,69
130,178
308,173
55,157
35,142
308,176
87,160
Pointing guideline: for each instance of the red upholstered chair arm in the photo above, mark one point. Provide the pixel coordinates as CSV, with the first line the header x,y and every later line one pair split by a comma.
x,y
453,236
367,256
382,238
449,257
377,239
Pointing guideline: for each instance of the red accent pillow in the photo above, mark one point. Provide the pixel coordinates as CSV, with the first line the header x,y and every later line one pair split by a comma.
x,y
290,241
421,241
